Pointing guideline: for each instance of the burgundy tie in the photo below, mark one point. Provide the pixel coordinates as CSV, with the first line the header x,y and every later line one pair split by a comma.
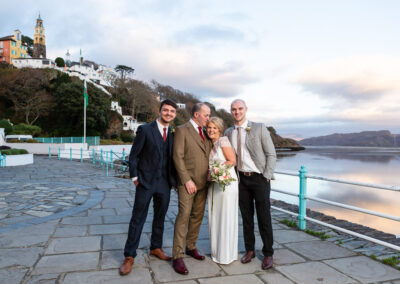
x,y
165,134
201,133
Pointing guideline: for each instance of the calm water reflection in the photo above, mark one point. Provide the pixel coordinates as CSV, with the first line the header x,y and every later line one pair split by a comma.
x,y
372,165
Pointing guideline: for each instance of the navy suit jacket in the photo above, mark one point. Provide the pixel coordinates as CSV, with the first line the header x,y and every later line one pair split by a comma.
x,y
145,156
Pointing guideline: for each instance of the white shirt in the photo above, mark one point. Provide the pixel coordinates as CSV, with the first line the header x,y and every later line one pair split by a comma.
x,y
196,126
247,161
161,129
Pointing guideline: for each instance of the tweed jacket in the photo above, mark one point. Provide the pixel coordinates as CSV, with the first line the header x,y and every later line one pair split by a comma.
x,y
191,156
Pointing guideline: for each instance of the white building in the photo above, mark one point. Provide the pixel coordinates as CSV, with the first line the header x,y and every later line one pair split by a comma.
x,y
129,123
33,63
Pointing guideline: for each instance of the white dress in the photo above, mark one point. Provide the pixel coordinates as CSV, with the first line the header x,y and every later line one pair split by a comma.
x,y
223,212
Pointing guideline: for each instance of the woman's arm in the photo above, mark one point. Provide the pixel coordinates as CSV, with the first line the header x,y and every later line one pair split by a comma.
x,y
230,155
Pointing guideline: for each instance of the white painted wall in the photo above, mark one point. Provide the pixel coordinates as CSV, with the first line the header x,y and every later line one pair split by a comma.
x,y
19,160
43,148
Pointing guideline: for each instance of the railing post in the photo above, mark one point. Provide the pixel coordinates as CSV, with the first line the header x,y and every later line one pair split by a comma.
x,y
123,159
70,153
93,156
81,154
59,153
49,153
302,199
101,159
111,159
107,163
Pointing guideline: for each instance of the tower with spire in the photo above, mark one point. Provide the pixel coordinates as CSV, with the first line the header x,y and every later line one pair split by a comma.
x,y
39,40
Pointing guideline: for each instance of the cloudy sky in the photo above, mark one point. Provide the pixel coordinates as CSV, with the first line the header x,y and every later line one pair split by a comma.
x,y
305,67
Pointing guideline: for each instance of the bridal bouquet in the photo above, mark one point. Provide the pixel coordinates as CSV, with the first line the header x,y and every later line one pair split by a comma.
x,y
219,174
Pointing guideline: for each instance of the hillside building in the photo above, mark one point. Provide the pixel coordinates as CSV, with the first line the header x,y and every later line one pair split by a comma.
x,y
12,47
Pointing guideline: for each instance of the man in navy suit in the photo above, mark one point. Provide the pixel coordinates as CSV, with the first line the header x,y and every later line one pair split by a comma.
x,y
152,171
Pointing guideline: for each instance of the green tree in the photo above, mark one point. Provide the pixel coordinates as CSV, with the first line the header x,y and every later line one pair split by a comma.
x,y
67,116
29,42
60,62
8,128
23,128
124,71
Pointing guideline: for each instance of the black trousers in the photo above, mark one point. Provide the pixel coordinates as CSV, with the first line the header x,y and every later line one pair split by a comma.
x,y
160,192
255,190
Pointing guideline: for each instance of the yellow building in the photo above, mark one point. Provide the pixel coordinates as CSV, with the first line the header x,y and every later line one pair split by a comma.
x,y
18,49
12,47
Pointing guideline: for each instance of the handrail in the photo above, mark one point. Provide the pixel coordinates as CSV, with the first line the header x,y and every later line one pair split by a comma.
x,y
302,195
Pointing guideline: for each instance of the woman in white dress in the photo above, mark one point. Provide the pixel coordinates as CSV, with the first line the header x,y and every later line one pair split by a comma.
x,y
222,205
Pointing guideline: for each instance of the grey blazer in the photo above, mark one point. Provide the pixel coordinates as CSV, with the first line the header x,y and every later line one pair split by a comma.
x,y
261,148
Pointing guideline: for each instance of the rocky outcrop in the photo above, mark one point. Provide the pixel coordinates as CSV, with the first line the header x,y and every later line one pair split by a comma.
x,y
284,143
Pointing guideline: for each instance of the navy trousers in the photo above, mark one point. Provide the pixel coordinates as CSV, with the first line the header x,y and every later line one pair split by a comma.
x,y
160,192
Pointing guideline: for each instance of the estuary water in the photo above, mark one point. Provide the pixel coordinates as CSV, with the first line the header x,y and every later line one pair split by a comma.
x,y
361,164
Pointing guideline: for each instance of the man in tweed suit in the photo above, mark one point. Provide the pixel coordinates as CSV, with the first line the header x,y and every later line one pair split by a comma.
x,y
191,154
256,159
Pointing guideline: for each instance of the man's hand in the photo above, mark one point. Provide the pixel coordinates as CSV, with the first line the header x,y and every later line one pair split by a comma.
x,y
136,182
268,180
190,187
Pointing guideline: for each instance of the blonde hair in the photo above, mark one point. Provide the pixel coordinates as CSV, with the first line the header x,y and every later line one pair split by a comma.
x,y
218,122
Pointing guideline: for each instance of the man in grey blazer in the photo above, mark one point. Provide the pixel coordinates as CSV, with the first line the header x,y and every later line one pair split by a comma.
x,y
256,159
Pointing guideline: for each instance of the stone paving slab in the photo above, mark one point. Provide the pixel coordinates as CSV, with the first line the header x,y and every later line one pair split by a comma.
x,y
319,250
285,256
237,279
12,275
273,277
19,257
137,276
73,244
67,263
313,272
71,231
291,236
364,269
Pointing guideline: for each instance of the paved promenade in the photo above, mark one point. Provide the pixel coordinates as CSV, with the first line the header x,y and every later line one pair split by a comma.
x,y
66,222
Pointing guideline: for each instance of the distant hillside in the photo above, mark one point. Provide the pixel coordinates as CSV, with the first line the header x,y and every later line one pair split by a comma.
x,y
382,138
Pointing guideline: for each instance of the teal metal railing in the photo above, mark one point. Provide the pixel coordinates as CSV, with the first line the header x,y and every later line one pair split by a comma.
x,y
91,140
98,158
2,160
302,195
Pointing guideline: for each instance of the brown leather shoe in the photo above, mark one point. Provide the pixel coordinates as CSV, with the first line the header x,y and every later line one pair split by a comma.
x,y
248,256
267,263
160,254
126,267
195,254
179,266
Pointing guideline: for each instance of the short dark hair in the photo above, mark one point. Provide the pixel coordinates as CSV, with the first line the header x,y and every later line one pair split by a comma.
x,y
197,107
168,102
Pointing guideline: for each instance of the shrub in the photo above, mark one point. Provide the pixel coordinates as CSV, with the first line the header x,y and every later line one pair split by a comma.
x,y
111,142
126,136
14,141
23,128
10,152
31,141
8,128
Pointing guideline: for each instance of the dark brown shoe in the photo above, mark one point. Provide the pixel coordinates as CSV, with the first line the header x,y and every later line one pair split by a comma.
x,y
248,256
195,254
160,254
267,263
179,266
126,267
